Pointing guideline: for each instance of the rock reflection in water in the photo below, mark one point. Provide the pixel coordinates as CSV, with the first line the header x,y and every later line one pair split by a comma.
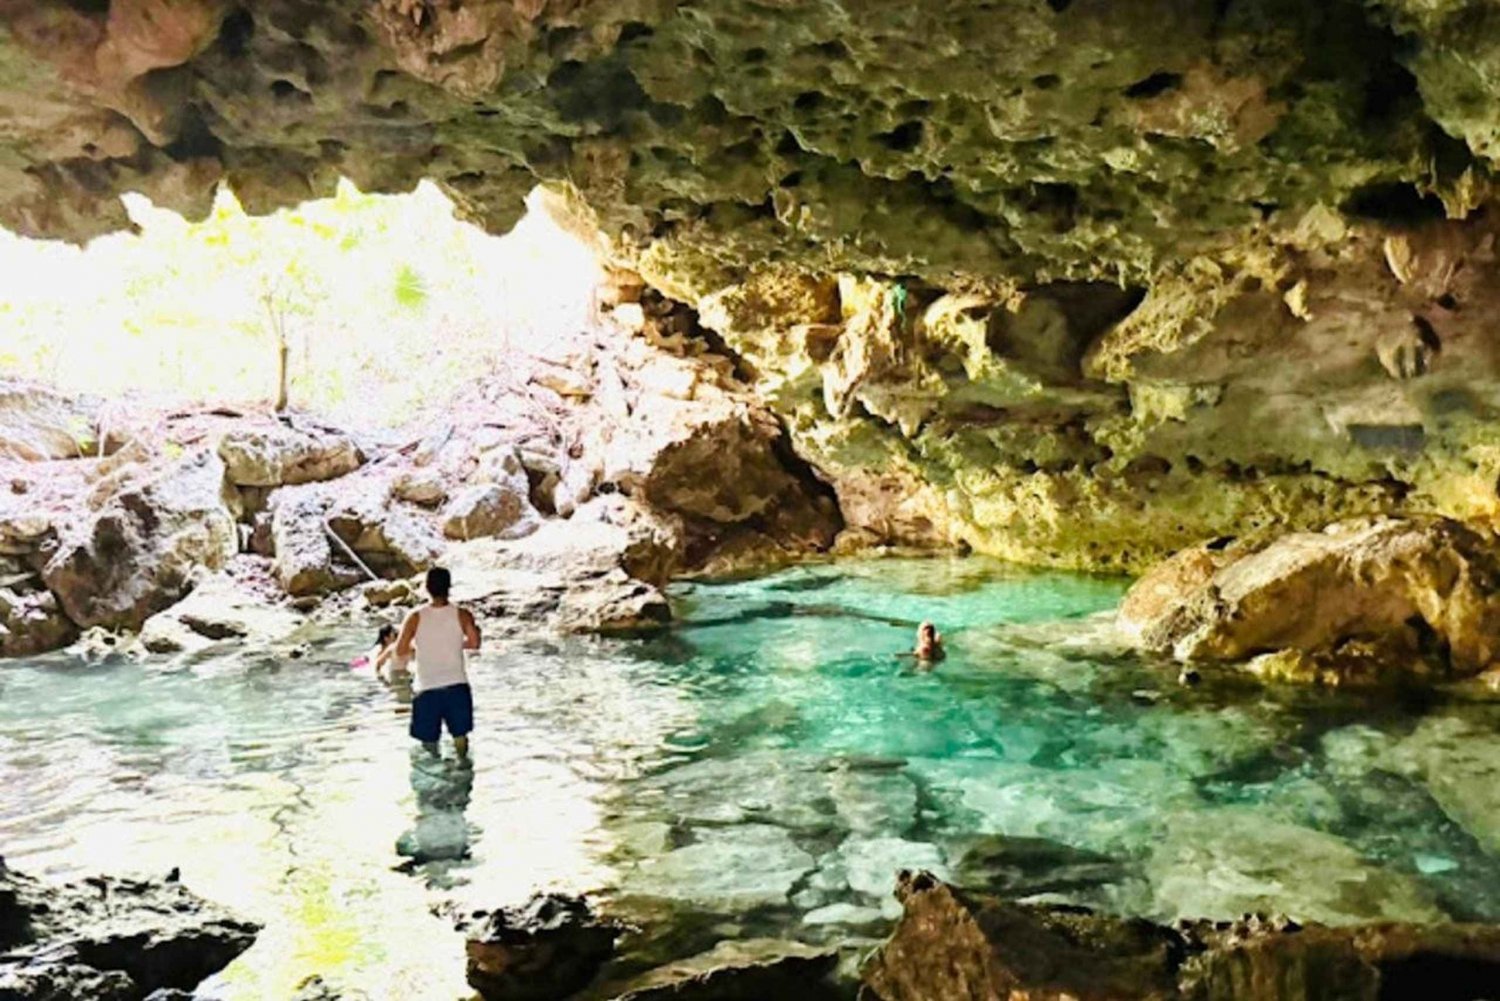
x,y
760,771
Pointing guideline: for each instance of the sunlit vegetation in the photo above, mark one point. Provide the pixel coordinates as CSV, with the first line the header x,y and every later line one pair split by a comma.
x,y
358,306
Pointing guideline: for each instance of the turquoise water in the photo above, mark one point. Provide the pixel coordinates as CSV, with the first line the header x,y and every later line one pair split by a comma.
x,y
762,769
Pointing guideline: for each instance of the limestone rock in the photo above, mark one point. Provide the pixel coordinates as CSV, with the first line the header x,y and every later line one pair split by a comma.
x,y
423,487
31,622
951,944
1415,588
137,551
278,455
752,968
392,539
489,510
217,609
110,938
37,423
546,950
568,574
303,555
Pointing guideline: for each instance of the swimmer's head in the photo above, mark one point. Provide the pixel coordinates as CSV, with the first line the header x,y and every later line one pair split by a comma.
x,y
439,583
386,636
927,632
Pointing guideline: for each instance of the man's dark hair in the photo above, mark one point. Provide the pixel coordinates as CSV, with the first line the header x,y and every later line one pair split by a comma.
x,y
439,582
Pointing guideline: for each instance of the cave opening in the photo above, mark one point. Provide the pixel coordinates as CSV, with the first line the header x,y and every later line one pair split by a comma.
x,y
379,295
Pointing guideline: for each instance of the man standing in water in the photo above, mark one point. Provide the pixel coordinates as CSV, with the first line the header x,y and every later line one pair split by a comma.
x,y
441,632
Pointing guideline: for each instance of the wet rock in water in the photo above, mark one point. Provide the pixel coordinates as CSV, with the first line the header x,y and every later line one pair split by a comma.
x,y
546,950
1364,601
110,938
1233,860
31,621
272,454
1459,764
137,550
748,970
383,593
870,864
729,869
1022,867
218,608
952,945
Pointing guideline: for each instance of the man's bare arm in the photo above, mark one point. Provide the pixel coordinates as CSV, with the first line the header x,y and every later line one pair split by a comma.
x,y
408,634
471,630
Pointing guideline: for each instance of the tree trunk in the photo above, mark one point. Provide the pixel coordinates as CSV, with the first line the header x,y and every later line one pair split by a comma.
x,y
283,349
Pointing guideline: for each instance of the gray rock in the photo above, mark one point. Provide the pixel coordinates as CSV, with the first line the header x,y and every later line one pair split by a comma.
x,y
107,938
546,950
138,551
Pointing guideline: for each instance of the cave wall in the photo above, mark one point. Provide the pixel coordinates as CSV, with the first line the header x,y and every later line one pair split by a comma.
x,y
1074,281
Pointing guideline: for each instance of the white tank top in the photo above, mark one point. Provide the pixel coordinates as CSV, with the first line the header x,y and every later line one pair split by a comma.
x,y
440,649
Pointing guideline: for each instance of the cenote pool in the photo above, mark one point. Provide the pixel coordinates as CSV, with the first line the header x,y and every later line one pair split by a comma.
x,y
763,769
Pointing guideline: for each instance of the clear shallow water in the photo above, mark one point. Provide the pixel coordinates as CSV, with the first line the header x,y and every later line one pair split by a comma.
x,y
763,769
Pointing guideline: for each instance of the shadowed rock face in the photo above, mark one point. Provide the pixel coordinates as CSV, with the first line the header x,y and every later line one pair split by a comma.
x,y
1168,268
953,946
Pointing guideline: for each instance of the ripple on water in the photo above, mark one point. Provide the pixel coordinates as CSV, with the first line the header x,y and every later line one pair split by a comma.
x,y
767,764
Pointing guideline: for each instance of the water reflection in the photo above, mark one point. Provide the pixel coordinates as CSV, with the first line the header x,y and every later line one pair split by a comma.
x,y
441,833
767,764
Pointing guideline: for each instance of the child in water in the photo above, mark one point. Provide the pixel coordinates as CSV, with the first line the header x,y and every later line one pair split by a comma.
x,y
382,656
929,648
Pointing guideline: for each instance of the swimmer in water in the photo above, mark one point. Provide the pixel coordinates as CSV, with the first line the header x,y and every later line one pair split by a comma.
x,y
929,648
382,656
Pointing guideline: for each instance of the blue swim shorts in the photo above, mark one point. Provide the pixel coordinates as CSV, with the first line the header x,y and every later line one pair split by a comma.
x,y
431,710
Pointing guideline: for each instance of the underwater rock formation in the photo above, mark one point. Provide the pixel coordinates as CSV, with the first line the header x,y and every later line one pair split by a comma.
x,y
952,945
110,939
1384,600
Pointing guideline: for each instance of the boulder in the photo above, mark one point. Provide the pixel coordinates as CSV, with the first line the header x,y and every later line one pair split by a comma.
x,y
303,554
1411,595
393,539
217,609
546,950
952,945
31,622
423,487
568,575
106,938
276,455
22,534
136,551
37,423
749,970
490,510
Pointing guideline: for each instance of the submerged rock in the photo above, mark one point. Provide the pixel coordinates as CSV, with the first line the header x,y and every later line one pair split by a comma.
x,y
747,970
1359,602
547,950
952,945
729,869
109,938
